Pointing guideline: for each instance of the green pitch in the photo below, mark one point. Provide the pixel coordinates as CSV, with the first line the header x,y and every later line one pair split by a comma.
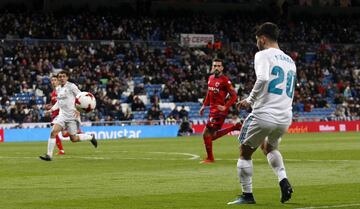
x,y
165,173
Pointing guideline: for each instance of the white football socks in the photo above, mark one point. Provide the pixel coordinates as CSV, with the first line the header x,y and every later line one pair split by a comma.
x,y
85,137
51,146
276,162
245,172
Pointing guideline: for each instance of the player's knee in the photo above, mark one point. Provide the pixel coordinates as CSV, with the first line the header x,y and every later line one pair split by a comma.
x,y
53,133
73,138
263,148
246,152
208,132
266,148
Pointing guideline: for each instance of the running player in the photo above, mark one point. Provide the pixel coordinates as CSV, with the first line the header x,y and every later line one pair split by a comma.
x,y
68,118
54,84
219,86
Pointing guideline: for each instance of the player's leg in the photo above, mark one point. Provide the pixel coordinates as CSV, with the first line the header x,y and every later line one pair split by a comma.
x,y
207,137
73,127
51,142
224,131
65,134
251,136
59,145
275,159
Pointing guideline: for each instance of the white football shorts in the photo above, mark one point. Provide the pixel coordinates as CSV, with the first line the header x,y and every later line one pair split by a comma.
x,y
255,131
72,126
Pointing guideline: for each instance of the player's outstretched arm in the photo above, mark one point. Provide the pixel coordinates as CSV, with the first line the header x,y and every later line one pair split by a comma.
x,y
205,103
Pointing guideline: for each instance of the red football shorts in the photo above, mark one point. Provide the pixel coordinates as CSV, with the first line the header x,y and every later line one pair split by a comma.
x,y
215,122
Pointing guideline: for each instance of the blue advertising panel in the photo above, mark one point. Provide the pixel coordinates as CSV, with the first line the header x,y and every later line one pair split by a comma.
x,y
101,132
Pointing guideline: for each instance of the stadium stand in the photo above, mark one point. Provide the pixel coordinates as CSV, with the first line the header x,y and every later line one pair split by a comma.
x,y
139,59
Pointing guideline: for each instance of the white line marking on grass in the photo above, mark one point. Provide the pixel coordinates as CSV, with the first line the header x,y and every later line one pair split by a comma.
x,y
309,160
297,160
191,156
9,157
331,206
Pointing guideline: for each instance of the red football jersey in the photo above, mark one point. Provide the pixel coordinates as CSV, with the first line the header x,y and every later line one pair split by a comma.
x,y
53,101
218,89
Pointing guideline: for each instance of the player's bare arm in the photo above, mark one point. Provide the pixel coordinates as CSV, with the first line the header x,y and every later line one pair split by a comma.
x,y
242,104
231,101
48,106
205,103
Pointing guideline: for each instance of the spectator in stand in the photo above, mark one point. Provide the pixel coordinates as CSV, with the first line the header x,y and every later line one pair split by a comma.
x,y
165,93
26,67
130,98
128,115
153,113
155,99
138,104
139,89
174,113
183,113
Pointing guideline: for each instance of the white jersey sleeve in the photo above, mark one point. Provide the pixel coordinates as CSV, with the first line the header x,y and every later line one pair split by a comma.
x,y
75,90
262,66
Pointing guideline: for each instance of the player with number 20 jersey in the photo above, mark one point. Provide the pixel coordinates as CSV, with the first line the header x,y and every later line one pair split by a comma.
x,y
274,101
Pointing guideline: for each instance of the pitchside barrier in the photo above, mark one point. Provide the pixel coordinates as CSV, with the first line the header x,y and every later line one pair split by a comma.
x,y
31,132
101,132
305,127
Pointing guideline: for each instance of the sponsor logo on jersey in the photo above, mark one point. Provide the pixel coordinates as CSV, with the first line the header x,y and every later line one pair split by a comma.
x,y
214,89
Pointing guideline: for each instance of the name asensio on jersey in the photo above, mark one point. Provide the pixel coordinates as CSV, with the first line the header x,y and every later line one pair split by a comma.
x,y
284,58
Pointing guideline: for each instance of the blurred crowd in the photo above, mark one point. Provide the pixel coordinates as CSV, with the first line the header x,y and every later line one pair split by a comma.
x,y
328,66
232,27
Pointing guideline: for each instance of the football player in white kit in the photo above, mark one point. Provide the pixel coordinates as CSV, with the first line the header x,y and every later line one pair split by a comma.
x,y
271,102
68,118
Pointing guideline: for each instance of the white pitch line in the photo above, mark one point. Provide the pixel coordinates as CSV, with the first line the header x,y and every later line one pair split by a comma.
x,y
295,160
331,206
192,156
8,157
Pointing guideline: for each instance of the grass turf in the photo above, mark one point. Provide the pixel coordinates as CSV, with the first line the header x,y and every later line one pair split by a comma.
x,y
163,173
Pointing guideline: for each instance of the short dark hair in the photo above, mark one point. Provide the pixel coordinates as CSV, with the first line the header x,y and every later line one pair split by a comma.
x,y
217,60
268,29
64,72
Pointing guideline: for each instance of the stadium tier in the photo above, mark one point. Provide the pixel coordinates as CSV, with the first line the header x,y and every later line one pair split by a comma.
x,y
129,77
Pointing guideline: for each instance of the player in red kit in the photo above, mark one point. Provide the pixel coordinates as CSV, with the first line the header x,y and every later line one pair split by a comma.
x,y
54,84
219,86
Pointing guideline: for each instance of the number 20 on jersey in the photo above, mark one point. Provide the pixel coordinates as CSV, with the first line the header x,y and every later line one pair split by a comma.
x,y
280,77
